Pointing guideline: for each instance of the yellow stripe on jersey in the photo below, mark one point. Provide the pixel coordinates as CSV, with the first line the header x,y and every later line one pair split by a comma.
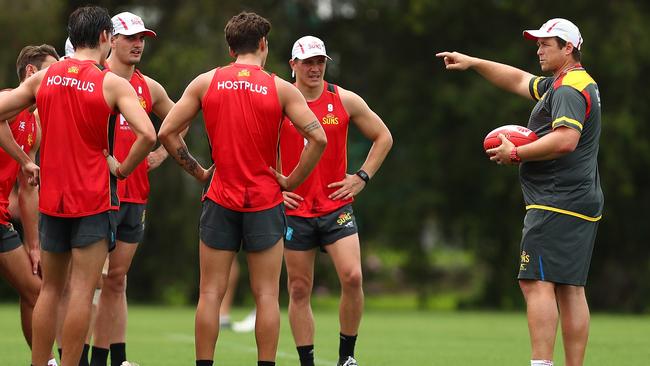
x,y
535,91
565,212
577,79
568,120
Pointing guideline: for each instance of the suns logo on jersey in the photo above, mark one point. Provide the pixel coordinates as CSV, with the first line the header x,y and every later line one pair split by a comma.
x,y
244,73
330,119
73,70
30,140
143,102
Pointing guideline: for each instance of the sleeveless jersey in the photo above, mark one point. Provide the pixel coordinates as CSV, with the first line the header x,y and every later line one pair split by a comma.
x,y
332,166
242,116
75,179
23,129
135,188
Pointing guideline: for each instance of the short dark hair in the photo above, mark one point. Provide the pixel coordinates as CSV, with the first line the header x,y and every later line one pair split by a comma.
x,y
576,52
86,24
244,31
33,55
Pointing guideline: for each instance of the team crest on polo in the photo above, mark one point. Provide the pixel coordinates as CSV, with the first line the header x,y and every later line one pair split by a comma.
x,y
330,119
244,73
73,70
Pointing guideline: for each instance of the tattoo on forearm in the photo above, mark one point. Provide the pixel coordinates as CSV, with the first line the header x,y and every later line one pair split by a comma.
x,y
187,161
312,126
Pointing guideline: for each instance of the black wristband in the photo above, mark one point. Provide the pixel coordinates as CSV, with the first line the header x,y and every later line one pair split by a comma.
x,y
363,175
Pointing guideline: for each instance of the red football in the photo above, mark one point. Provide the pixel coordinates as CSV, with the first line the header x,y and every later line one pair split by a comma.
x,y
518,135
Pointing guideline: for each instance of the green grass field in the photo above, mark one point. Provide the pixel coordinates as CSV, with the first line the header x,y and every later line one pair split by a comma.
x,y
164,336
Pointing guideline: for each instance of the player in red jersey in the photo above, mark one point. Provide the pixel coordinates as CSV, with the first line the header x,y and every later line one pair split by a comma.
x,y
243,107
75,99
19,264
319,212
127,46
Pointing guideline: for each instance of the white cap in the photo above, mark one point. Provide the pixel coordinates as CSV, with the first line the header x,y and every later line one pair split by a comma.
x,y
129,24
557,27
308,46
69,49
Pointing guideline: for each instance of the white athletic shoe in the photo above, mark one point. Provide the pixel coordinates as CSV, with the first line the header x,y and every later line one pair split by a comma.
x,y
127,363
349,362
245,325
52,362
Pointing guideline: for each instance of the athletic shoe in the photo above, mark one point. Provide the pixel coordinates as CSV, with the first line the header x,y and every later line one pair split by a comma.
x,y
224,322
127,363
245,325
349,362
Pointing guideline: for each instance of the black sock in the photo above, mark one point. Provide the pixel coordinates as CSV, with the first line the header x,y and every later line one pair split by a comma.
x,y
118,353
83,361
346,346
204,362
265,363
99,356
60,353
306,354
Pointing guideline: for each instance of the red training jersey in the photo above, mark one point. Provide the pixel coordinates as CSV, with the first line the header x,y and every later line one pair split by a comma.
x,y
242,116
75,179
332,166
135,188
23,129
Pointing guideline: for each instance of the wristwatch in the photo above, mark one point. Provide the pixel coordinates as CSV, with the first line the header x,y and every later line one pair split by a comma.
x,y
514,157
363,175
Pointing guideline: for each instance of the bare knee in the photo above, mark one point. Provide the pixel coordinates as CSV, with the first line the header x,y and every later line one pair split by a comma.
x,y
352,280
115,281
300,290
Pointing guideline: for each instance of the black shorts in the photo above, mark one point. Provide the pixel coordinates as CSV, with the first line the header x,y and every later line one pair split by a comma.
x,y
61,234
556,247
306,233
130,222
225,229
9,238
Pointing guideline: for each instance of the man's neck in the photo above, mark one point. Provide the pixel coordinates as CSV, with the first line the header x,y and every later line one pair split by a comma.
x,y
120,69
88,54
566,67
311,93
249,59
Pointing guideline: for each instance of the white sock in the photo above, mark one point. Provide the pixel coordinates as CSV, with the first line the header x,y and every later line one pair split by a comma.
x,y
541,362
52,362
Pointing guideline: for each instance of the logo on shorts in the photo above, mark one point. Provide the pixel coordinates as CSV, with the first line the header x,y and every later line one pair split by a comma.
x,y
523,262
289,233
144,215
345,218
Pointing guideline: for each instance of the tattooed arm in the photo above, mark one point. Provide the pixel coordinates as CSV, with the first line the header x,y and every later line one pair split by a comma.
x,y
304,120
178,119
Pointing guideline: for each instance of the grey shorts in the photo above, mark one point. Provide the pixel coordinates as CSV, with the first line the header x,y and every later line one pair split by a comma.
x,y
225,229
9,238
556,248
306,233
130,222
61,234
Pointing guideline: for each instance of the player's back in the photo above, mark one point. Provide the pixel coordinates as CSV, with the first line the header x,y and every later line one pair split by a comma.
x,y
75,179
242,116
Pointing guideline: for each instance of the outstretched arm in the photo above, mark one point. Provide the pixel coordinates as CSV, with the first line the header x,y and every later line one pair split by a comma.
x,y
504,76
178,120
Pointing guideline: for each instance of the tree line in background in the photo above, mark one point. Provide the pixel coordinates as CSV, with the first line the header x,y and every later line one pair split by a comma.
x,y
437,193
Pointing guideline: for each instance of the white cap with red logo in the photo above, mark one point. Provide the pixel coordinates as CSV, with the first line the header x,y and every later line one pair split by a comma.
x,y
308,46
129,24
557,27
